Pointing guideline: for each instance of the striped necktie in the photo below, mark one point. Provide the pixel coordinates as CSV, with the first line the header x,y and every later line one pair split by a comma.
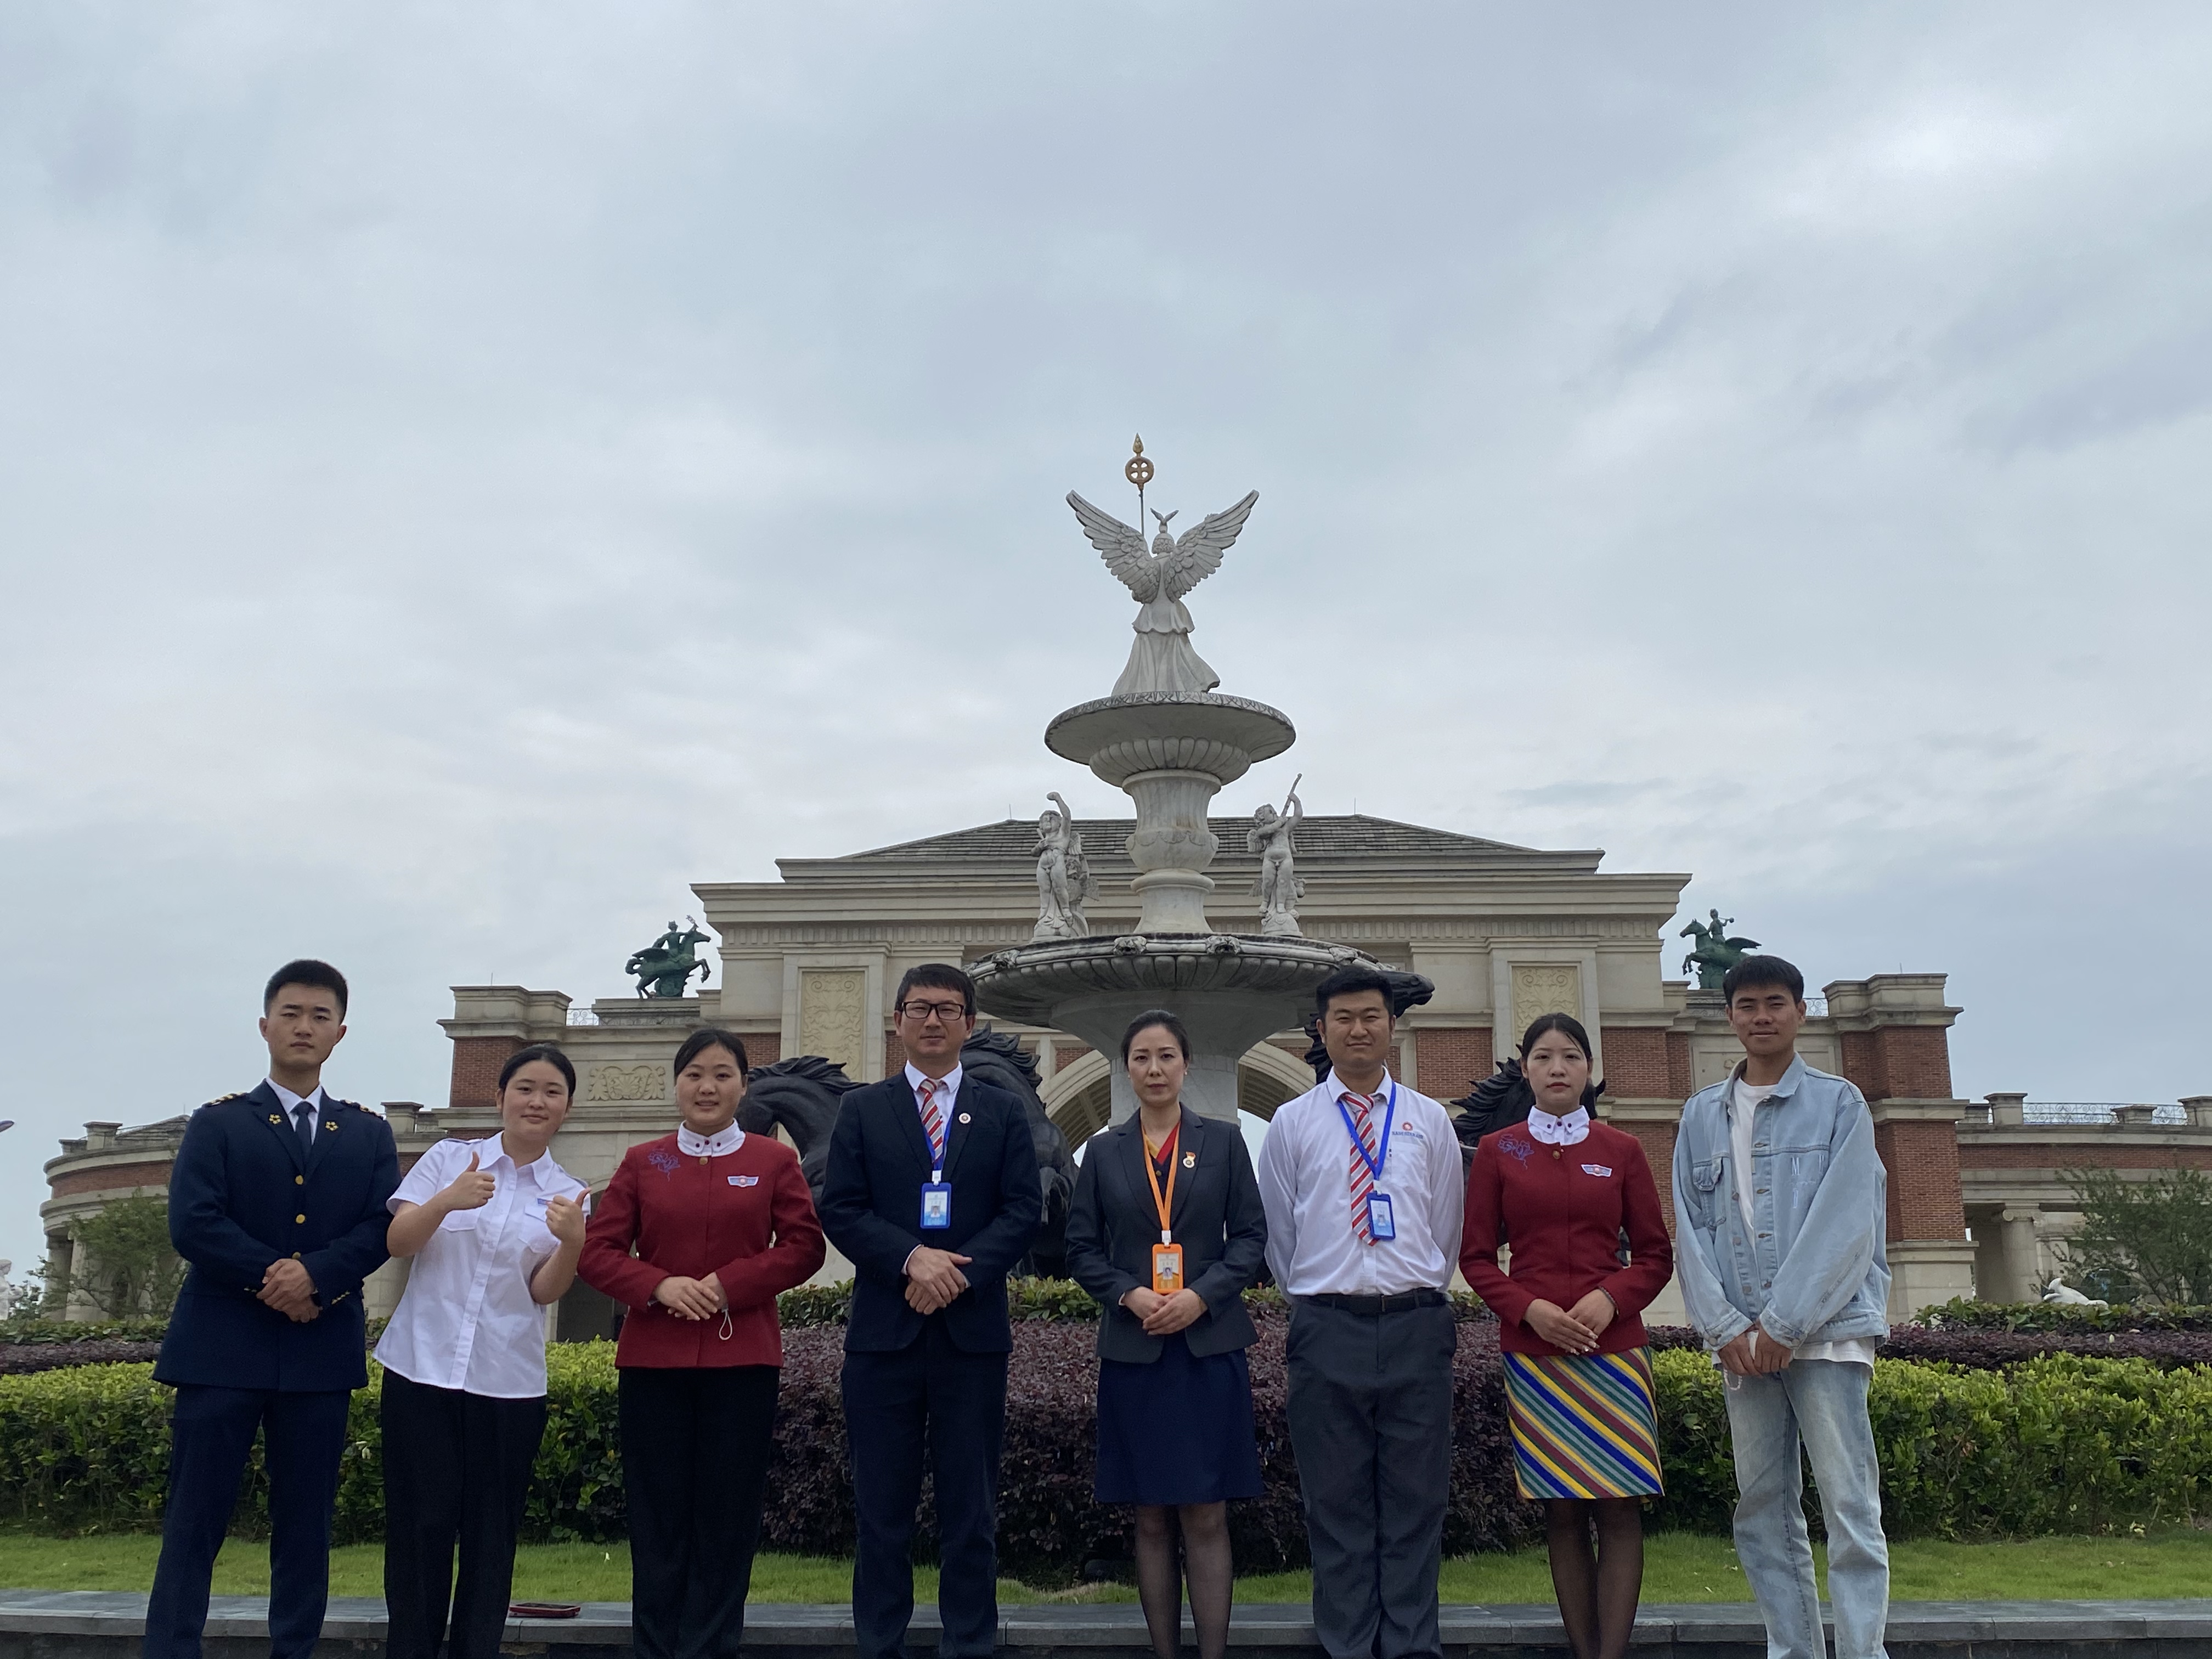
x,y
1363,1178
933,1119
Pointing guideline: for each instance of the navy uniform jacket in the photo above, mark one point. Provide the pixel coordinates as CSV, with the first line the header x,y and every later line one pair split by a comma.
x,y
241,1196
872,1209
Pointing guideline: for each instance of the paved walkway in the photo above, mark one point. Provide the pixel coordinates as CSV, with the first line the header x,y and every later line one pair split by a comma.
x,y
106,1624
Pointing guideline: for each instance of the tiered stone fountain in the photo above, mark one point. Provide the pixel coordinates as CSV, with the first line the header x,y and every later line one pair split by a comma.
x,y
1170,742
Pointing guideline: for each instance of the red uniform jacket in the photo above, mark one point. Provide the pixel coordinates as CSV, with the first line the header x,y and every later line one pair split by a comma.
x,y
1562,1210
745,1217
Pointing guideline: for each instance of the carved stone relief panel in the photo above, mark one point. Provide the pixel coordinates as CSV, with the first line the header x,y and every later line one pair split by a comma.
x,y
833,1015
1544,987
647,1082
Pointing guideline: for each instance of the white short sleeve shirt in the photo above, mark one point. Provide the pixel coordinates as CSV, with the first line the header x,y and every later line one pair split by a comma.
x,y
466,1319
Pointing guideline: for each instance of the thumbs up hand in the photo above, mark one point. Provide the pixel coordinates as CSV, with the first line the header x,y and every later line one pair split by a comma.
x,y
471,1189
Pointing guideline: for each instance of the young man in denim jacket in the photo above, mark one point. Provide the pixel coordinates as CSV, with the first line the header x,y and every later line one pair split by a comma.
x,y
1779,1204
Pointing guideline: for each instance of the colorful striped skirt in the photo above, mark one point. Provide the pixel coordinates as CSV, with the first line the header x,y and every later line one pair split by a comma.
x,y
1584,1426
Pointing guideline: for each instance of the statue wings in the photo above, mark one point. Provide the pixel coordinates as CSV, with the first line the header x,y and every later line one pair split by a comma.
x,y
1197,551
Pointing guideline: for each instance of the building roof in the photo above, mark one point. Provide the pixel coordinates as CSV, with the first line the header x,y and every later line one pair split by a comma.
x,y
1323,843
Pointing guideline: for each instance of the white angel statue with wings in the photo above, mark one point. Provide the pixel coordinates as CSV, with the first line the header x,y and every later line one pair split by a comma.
x,y
1161,663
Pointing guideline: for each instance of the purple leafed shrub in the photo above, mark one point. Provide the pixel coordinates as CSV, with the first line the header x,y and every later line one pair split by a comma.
x,y
1046,1518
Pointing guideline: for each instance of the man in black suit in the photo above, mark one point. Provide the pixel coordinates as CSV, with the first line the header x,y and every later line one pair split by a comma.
x,y
276,1199
933,1192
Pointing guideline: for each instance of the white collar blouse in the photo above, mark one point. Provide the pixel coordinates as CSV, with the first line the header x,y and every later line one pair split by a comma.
x,y
466,1319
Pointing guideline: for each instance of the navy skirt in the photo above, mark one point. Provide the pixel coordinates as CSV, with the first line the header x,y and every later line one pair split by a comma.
x,y
1178,1430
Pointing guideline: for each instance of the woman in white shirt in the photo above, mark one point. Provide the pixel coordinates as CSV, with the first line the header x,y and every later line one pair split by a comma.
x,y
495,1227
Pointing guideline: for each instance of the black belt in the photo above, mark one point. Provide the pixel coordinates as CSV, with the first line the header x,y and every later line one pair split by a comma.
x,y
1374,1306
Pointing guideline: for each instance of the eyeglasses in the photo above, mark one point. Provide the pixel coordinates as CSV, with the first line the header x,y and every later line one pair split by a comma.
x,y
920,1012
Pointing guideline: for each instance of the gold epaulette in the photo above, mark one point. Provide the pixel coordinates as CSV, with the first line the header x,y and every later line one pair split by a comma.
x,y
235,1094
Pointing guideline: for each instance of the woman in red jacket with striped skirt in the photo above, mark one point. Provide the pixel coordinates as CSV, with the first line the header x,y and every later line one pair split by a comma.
x,y
1562,1192
720,1221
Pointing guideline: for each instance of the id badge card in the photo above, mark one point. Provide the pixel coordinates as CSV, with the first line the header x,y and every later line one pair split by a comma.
x,y
936,1206
1380,1227
1167,1268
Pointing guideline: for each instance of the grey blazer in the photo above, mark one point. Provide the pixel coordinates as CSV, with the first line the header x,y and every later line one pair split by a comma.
x,y
1216,1216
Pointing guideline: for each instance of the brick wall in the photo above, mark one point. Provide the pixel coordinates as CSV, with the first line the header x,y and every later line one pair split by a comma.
x,y
1657,1140
111,1177
1923,1161
477,1061
762,1048
1899,1062
1453,1059
1915,1061
1636,1063
1680,1083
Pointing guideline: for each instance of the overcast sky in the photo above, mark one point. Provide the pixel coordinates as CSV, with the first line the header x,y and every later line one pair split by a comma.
x,y
468,473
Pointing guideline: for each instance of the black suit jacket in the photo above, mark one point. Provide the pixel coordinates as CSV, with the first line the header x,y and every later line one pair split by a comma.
x,y
1216,1216
870,1209
242,1196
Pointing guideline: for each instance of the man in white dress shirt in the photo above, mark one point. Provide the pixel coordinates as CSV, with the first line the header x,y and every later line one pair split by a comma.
x,y
1364,1189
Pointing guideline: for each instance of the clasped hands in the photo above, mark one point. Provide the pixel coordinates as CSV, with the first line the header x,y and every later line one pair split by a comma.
x,y
1753,1353
1163,1316
691,1298
1572,1330
285,1287
933,1278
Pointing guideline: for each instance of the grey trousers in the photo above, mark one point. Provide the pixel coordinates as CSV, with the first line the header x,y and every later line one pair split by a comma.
x,y
1371,1400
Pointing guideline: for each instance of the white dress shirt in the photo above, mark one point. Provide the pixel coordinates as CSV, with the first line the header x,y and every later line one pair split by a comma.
x,y
1305,1184
948,1091
1568,1129
291,1103
466,1319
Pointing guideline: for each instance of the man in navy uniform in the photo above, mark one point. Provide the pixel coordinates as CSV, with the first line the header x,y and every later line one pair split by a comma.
x,y
932,1193
276,1199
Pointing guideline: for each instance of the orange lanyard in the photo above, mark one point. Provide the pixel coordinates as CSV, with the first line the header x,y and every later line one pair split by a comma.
x,y
1164,1202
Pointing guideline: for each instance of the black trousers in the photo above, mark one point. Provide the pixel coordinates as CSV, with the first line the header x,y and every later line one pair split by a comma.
x,y
456,1470
695,1447
211,1432
933,1394
1370,1400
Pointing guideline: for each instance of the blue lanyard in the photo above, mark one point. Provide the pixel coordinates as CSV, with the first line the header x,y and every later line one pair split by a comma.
x,y
1374,1163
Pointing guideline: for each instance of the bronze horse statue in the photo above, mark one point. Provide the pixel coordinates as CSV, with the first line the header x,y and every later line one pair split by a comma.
x,y
802,1095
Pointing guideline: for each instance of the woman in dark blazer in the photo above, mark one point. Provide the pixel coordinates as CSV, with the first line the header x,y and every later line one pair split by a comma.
x,y
1166,1232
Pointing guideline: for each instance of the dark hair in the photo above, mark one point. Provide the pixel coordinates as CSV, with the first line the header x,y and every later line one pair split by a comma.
x,y
1172,1023
1351,981
937,976
1762,971
1572,1029
306,971
544,1051
706,1038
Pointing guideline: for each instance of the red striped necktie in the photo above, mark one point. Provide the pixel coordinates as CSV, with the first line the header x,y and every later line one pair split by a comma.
x,y
1363,1177
933,1119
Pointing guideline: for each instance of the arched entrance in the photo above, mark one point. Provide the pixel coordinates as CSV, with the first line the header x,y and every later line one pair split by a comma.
x,y
1078,1097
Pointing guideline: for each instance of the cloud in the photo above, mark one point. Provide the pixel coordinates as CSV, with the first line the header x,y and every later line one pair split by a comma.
x,y
467,476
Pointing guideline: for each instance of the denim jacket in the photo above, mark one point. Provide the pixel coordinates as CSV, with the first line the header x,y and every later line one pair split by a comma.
x,y
1812,1268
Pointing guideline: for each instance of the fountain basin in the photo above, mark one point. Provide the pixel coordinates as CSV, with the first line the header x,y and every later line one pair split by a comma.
x,y
1232,990
1118,738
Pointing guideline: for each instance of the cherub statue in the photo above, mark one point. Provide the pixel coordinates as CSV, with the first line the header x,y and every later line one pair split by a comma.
x,y
1065,884
1162,662
7,1292
1278,884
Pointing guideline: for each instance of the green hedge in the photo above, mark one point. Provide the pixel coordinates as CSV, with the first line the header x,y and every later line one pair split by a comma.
x,y
2056,1318
2058,1444
39,1332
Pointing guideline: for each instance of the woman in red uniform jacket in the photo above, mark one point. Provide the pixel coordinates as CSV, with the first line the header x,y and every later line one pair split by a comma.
x,y
720,1221
1562,1192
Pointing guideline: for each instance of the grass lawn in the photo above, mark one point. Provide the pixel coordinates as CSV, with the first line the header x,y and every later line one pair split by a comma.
x,y
1678,1567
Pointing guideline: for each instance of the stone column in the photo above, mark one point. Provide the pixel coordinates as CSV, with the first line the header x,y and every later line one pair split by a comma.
x,y
2019,1226
2008,1111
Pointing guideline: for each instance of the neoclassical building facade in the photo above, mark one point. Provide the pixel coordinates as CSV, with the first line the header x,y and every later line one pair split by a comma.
x,y
808,963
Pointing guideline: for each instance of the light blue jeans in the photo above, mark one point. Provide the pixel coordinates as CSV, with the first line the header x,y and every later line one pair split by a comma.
x,y
1821,1404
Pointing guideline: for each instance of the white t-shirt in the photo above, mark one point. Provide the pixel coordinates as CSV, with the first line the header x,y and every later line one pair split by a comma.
x,y
1744,1101
466,1319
